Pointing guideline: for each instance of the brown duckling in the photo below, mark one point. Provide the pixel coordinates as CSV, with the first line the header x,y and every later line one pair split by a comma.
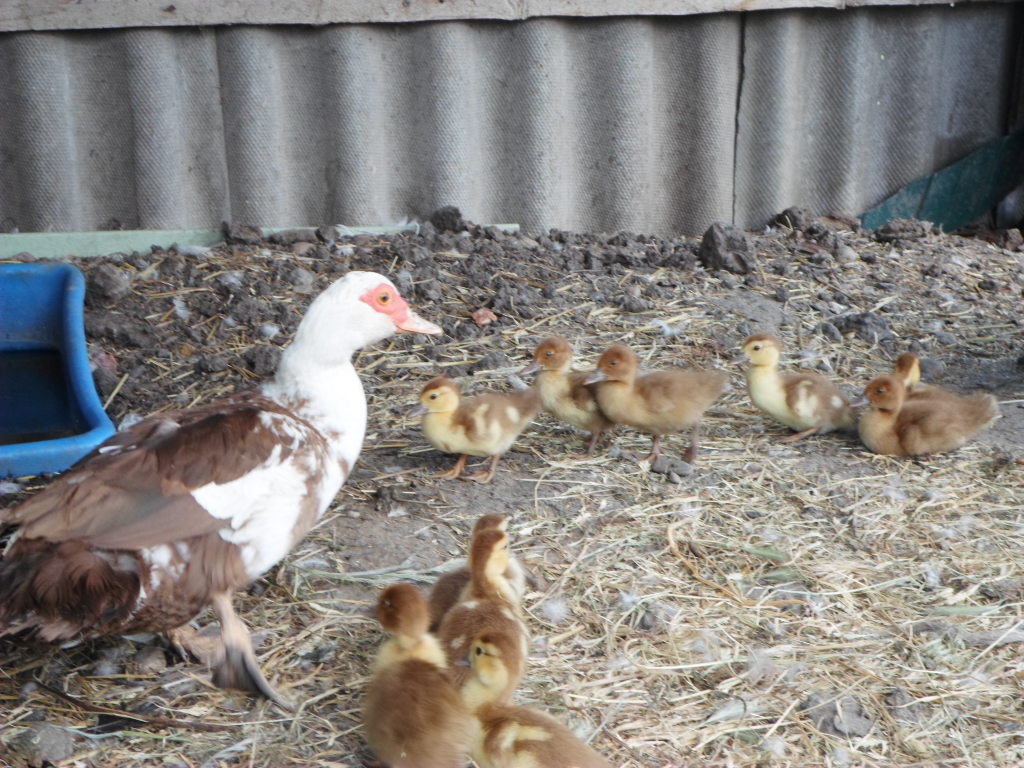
x,y
484,425
562,391
895,425
489,605
802,400
412,716
510,736
657,403
452,588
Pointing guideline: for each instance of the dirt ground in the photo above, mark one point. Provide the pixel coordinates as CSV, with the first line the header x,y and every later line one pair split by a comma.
x,y
780,604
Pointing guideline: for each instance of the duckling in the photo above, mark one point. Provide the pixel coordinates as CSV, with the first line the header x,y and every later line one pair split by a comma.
x,y
907,369
452,588
656,403
510,736
802,400
412,716
562,391
485,425
488,605
894,425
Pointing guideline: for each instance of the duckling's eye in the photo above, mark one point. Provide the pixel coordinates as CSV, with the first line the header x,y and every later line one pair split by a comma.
x,y
433,395
613,362
384,298
757,347
549,353
479,651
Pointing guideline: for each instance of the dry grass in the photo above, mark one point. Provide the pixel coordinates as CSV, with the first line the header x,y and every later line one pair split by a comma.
x,y
673,624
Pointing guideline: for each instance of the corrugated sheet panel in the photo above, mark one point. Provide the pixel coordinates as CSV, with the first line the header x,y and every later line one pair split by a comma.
x,y
647,124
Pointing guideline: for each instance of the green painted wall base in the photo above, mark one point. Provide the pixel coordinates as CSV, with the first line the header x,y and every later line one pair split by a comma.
x,y
960,193
63,245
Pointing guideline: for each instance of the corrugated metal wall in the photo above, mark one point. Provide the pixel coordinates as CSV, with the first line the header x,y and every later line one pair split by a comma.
x,y
649,124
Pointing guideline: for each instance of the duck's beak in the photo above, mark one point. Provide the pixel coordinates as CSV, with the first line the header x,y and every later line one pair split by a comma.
x,y
413,323
595,376
859,402
416,411
462,663
531,368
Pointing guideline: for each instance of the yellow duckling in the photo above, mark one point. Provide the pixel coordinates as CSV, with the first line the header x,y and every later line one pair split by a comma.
x,y
516,737
895,425
484,425
802,400
454,587
412,716
490,605
656,403
907,369
562,391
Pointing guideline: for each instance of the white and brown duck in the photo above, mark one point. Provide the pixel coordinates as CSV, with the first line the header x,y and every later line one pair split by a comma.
x,y
929,421
563,393
802,400
184,508
657,403
483,425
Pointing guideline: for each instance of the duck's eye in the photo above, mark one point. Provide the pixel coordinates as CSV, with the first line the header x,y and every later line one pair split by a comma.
x,y
549,353
757,347
479,651
384,298
433,395
613,362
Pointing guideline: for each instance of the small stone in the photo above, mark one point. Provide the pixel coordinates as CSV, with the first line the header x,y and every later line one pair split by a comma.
x,y
905,707
988,285
903,229
448,219
302,248
242,233
292,236
262,359
794,218
727,247
836,714
106,285
666,465
844,254
869,326
211,364
302,280
41,744
150,660
829,331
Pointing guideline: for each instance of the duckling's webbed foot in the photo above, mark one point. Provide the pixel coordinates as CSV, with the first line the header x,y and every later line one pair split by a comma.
x,y
799,435
655,451
484,476
235,665
455,471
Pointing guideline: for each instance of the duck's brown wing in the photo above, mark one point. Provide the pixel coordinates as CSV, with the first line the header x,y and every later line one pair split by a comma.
x,y
135,490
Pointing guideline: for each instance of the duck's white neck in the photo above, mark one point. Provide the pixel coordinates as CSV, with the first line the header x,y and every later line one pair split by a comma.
x,y
327,394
